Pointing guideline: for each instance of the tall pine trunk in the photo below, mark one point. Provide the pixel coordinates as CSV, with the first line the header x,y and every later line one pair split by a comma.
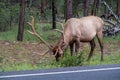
x,y
86,5
68,10
53,14
118,8
95,7
42,7
21,21
93,11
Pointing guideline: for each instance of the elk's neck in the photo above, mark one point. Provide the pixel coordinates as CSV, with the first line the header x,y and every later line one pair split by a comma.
x,y
61,44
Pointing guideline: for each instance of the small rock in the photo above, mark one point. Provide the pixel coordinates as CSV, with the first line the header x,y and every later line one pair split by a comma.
x,y
7,43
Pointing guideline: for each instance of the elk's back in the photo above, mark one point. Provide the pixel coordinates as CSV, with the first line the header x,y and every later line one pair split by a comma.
x,y
85,28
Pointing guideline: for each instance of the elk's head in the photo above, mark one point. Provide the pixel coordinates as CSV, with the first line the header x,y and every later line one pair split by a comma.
x,y
57,50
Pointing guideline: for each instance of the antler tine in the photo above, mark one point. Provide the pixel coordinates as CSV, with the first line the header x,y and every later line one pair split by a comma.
x,y
56,52
32,24
44,53
59,30
61,25
33,32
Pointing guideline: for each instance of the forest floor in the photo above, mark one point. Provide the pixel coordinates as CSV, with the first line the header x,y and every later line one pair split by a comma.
x,y
21,51
13,53
30,52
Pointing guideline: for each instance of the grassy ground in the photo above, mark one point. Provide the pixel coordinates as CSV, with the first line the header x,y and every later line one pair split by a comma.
x,y
26,55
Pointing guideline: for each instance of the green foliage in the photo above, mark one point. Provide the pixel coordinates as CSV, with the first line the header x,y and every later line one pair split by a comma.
x,y
9,35
4,15
8,16
14,13
68,60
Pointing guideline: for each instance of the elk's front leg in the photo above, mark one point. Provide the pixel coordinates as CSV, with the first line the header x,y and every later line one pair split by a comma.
x,y
92,44
72,48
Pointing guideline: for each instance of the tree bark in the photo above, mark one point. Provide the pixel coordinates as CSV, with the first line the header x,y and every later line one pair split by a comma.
x,y
68,10
42,7
93,12
86,5
21,21
53,14
118,8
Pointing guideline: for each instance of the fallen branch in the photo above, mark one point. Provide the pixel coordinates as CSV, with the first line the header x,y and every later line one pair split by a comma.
x,y
115,16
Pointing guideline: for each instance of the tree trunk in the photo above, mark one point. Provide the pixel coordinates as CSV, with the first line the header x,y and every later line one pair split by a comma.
x,y
93,12
86,5
68,10
118,8
53,14
42,7
21,21
97,7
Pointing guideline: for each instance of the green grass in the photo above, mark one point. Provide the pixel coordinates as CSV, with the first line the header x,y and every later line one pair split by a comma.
x,y
111,39
42,29
79,60
8,35
24,61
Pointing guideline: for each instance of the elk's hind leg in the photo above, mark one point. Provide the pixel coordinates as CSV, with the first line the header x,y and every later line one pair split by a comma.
x,y
99,36
92,44
77,46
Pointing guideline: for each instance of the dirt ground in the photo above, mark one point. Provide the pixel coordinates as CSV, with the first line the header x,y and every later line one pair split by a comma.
x,y
30,52
19,51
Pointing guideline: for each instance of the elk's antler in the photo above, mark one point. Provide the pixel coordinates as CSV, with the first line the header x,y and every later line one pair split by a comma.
x,y
33,32
59,31
61,25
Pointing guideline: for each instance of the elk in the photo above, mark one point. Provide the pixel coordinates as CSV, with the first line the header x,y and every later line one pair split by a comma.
x,y
75,30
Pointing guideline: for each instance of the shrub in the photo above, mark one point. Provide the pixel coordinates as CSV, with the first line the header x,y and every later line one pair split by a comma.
x,y
74,60
8,16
